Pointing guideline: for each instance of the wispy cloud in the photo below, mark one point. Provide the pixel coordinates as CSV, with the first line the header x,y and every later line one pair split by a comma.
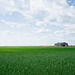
x,y
13,24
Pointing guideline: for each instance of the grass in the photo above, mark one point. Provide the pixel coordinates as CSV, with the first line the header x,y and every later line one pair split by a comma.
x,y
37,60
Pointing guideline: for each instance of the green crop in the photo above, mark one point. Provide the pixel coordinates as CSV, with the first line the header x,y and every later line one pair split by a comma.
x,y
37,60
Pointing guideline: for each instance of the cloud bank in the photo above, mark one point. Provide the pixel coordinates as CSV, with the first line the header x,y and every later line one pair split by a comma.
x,y
36,22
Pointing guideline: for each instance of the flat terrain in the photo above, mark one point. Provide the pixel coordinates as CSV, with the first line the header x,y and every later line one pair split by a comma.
x,y
37,60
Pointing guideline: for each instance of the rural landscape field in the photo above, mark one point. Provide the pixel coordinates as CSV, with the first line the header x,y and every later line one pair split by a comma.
x,y
37,60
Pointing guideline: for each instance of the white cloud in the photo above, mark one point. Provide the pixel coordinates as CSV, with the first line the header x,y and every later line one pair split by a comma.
x,y
43,30
41,14
40,23
13,24
6,33
36,5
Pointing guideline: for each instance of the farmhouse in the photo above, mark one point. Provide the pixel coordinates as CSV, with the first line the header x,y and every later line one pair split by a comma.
x,y
61,44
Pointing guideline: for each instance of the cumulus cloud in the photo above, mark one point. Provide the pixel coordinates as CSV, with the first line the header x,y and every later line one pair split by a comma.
x,y
41,15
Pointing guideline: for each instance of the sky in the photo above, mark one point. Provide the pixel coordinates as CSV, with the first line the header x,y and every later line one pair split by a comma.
x,y
37,22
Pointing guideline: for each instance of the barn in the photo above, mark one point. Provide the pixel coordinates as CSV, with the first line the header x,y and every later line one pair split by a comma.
x,y
61,44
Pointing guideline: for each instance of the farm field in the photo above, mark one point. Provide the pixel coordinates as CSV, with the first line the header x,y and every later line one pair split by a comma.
x,y
37,60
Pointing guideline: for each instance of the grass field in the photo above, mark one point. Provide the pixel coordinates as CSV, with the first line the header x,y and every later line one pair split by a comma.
x,y
37,60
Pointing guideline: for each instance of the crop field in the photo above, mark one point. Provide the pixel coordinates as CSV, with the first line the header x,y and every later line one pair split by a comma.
x,y
37,60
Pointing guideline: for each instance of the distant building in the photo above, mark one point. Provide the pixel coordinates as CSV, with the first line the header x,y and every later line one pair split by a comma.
x,y
61,44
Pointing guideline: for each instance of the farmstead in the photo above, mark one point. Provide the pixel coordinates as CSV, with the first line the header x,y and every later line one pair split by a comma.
x,y
61,44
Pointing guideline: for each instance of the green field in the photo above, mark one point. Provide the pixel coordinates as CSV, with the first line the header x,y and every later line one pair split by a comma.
x,y
37,60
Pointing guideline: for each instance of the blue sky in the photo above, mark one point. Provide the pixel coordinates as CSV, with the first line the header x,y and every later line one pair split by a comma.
x,y
71,2
36,22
